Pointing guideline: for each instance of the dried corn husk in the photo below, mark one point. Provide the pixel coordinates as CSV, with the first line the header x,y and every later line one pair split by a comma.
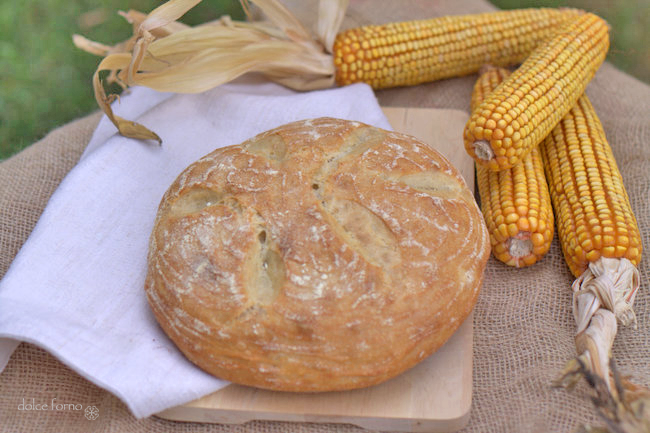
x,y
169,56
602,296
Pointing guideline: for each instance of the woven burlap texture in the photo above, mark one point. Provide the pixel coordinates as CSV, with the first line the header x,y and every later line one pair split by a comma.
x,y
523,326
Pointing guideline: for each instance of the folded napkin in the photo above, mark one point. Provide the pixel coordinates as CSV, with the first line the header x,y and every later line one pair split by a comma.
x,y
76,286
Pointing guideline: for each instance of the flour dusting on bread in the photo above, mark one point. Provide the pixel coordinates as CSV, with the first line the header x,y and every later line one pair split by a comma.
x,y
321,255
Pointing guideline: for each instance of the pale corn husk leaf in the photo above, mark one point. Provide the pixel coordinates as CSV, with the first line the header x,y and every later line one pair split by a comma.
x,y
92,47
126,127
330,18
169,56
166,14
136,18
201,58
282,18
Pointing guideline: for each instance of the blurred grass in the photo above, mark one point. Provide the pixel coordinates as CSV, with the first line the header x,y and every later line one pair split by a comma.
x,y
45,81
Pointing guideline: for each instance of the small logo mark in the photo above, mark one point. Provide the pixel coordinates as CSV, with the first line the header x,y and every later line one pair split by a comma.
x,y
92,413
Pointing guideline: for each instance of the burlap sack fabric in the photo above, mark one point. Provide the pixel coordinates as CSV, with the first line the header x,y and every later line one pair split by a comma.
x,y
523,326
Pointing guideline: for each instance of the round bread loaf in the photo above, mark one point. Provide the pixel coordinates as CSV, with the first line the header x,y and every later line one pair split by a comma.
x,y
322,255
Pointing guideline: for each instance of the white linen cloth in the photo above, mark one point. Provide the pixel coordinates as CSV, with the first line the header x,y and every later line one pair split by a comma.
x,y
76,286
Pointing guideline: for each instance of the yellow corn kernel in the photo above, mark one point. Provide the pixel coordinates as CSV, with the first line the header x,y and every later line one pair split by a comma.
x,y
515,203
421,51
599,222
579,48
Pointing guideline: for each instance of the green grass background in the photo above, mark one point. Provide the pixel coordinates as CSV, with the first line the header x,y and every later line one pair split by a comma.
x,y
45,80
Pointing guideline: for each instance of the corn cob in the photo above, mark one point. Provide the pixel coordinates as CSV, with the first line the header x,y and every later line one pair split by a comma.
x,y
594,217
515,202
414,52
600,240
528,105
167,56
489,78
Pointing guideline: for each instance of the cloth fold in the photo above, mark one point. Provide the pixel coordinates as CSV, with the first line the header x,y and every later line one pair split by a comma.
x,y
76,286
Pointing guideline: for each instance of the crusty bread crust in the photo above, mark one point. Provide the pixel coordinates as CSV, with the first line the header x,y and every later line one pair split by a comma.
x,y
321,255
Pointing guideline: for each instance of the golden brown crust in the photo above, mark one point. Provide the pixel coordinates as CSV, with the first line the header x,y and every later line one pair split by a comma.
x,y
321,255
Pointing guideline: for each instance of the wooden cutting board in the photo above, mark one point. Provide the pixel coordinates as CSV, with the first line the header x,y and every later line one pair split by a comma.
x,y
434,396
